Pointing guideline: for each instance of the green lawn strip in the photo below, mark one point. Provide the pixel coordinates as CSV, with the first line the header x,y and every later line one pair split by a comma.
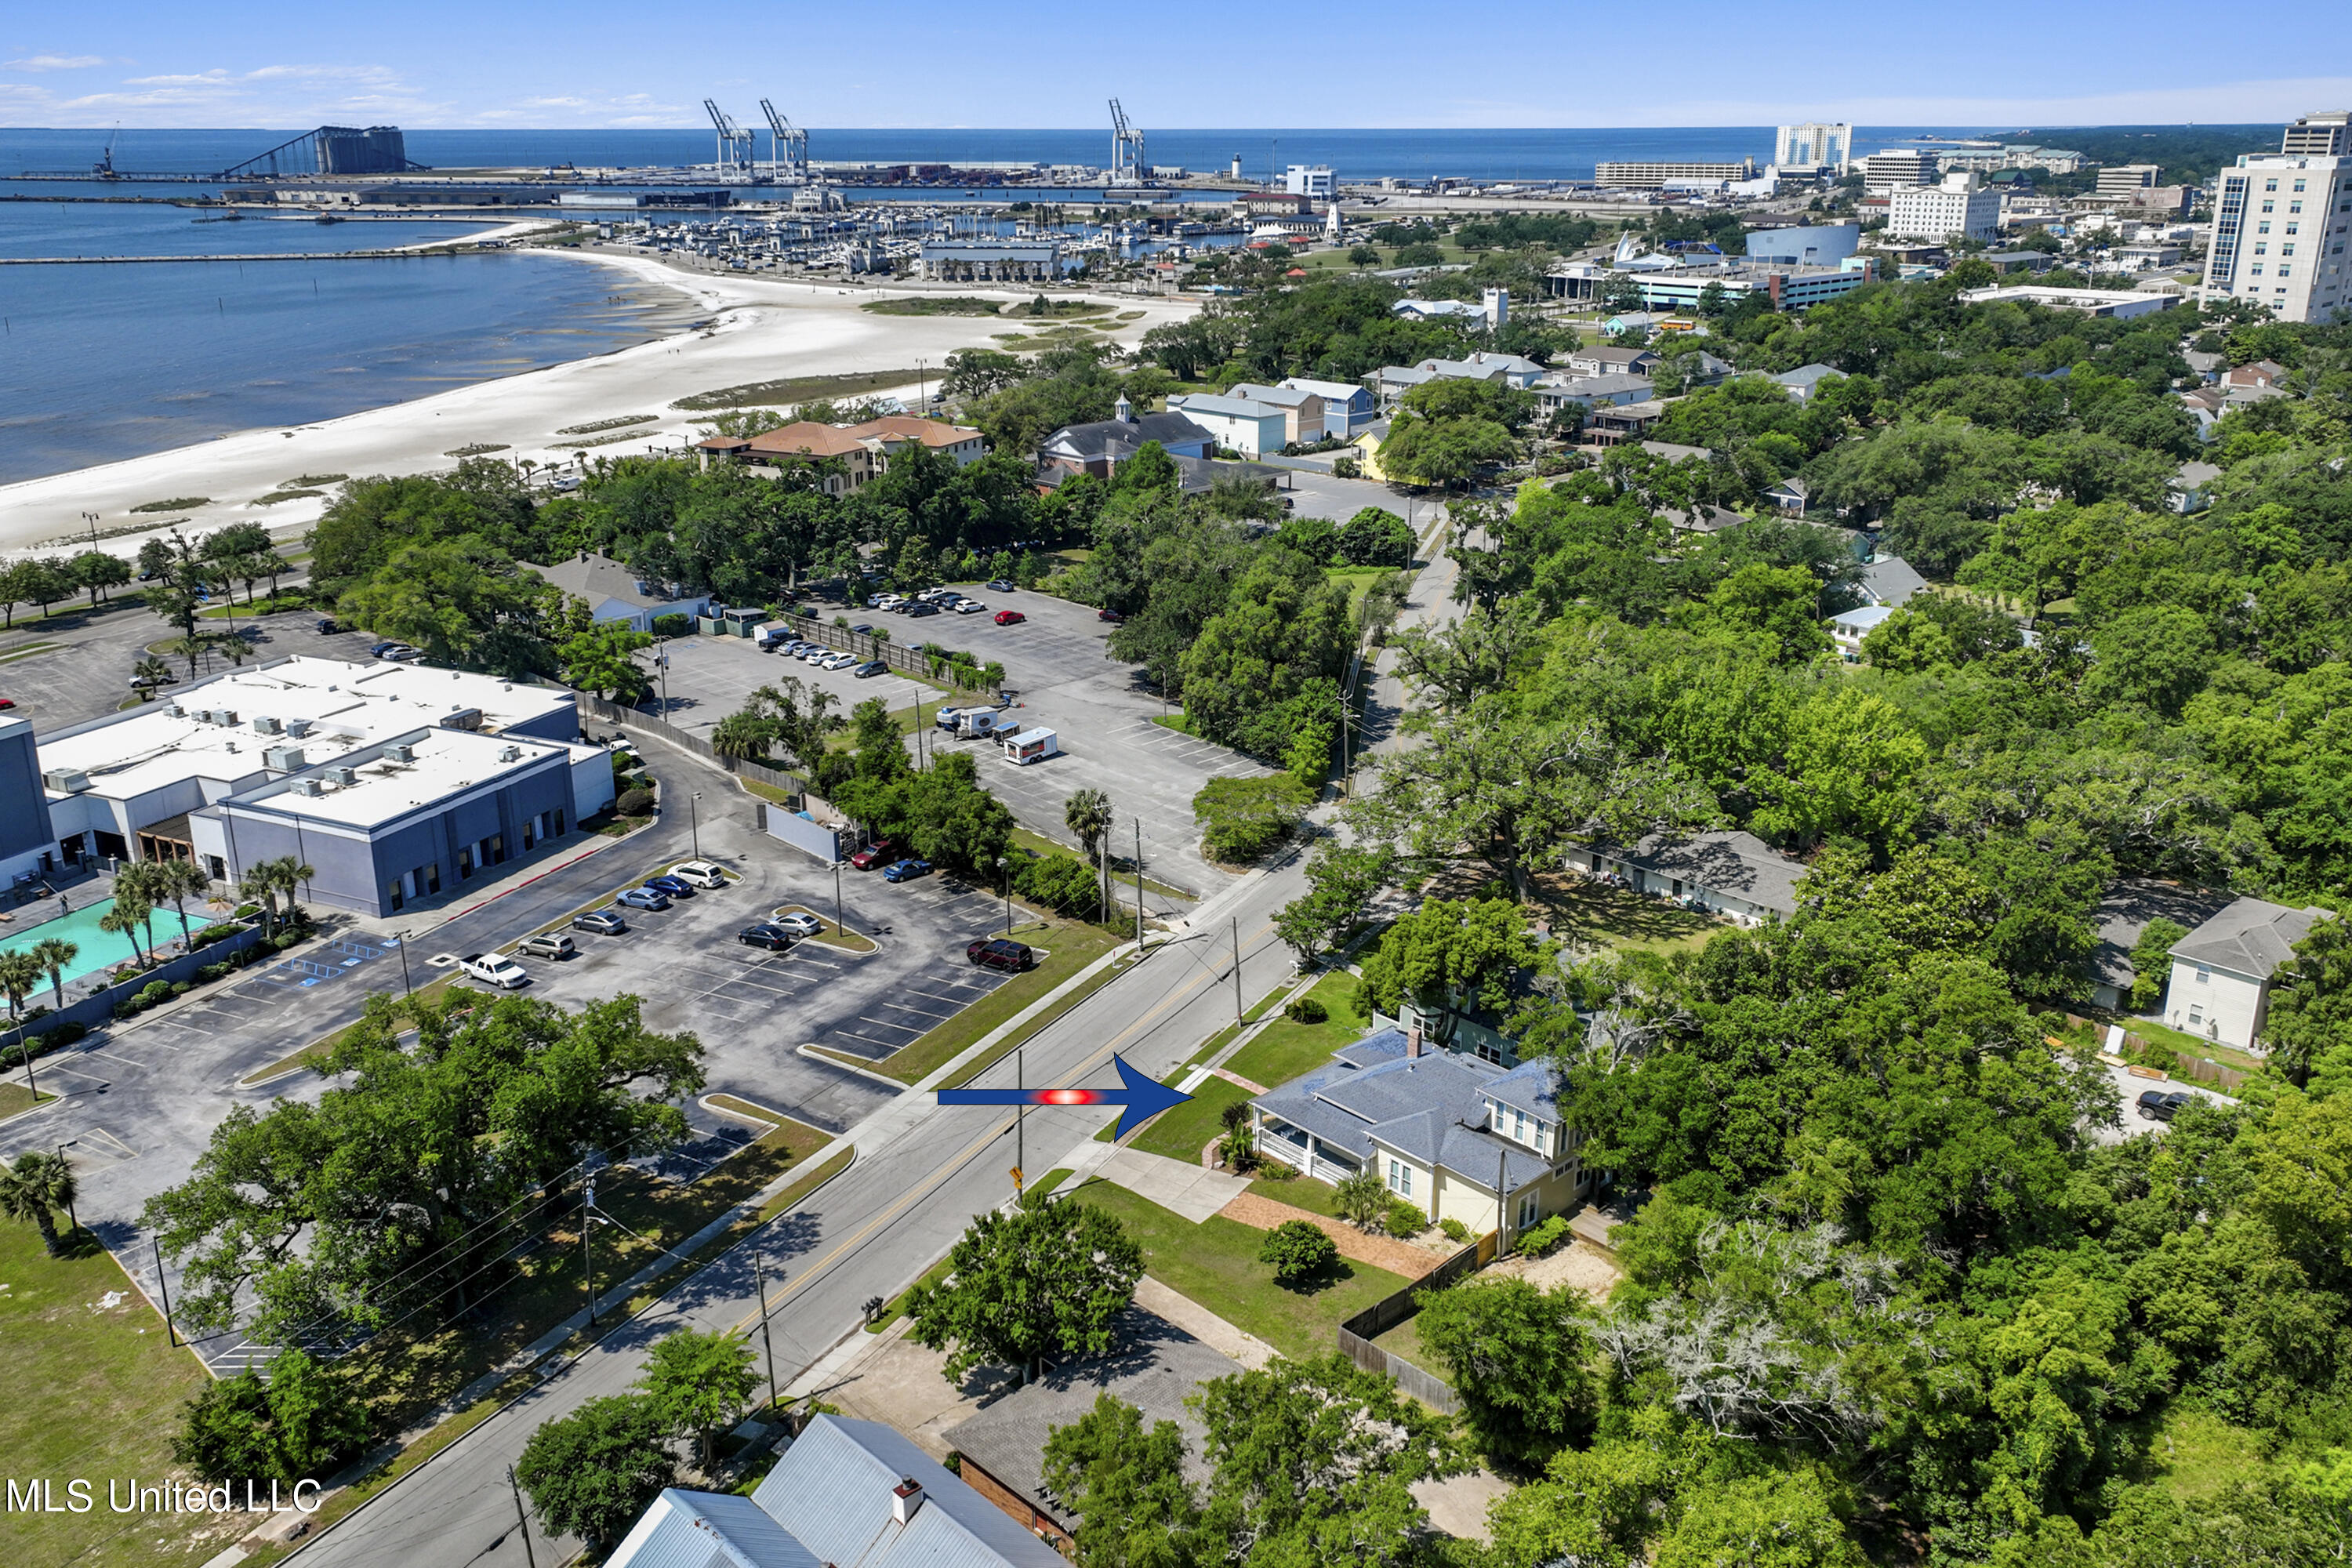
x,y
1283,1049
810,1182
93,1393
1301,1192
833,935
1179,1132
1215,1264
797,1138
898,1303
1072,946
348,1500
288,600
29,650
2188,1045
1038,844
16,1099
1404,1339
1181,723
1050,1181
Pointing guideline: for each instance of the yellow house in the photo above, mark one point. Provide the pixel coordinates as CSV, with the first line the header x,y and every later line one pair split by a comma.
x,y
1458,1137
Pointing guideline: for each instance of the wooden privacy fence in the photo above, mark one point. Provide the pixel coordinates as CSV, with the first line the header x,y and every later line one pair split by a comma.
x,y
1357,1334
2204,1069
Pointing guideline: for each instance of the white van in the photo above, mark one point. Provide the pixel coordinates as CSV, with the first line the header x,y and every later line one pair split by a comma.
x,y
1032,746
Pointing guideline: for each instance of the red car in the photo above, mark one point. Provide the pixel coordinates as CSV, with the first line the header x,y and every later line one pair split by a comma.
x,y
1113,616
7,702
1010,617
881,852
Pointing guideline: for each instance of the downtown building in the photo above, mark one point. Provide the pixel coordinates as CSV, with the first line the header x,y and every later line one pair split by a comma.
x,y
2281,223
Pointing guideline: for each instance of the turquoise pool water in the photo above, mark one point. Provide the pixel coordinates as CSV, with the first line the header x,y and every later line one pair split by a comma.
x,y
99,949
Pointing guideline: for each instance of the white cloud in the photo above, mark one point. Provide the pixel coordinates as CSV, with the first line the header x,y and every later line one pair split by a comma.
x,y
57,62
2217,103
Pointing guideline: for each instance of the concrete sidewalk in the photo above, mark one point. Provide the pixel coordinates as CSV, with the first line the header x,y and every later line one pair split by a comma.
x,y
1188,1190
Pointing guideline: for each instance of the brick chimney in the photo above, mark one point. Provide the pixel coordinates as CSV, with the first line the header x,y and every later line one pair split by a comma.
x,y
1413,1037
905,1499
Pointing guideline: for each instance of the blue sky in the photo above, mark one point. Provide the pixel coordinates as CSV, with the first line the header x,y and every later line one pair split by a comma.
x,y
1376,63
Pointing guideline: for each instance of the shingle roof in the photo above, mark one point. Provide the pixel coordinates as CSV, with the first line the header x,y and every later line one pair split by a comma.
x,y
2251,937
1115,439
599,577
1156,1369
1283,396
1230,408
1891,580
1344,391
831,1491
1862,619
1805,374
1733,861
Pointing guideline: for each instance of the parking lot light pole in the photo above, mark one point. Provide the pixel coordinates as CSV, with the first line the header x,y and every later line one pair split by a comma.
x,y
405,988
693,820
588,1248
1005,876
838,928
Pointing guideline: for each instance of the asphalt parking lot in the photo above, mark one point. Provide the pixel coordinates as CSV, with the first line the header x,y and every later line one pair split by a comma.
x,y
753,1009
1061,679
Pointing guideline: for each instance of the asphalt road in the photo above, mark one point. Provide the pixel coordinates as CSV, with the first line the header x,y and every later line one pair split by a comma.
x,y
922,1174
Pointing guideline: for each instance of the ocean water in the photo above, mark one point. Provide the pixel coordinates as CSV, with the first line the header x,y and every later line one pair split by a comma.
x,y
101,361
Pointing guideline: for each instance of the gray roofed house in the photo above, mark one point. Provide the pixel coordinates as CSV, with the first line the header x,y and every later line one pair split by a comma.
x,y
1801,381
1703,517
2190,489
1675,451
1156,1368
2125,911
1391,382
615,592
1589,391
1441,1128
1730,871
1891,581
838,1491
1789,496
1511,370
1099,446
1848,628
2222,972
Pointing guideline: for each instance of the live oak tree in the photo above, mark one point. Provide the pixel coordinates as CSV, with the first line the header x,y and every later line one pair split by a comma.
x,y
1046,1279
593,1472
302,1422
1523,1360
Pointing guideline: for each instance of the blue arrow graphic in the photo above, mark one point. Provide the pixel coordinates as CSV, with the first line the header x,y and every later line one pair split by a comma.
x,y
1139,1096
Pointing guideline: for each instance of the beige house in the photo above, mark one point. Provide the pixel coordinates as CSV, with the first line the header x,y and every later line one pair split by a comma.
x,y
1460,1138
2222,972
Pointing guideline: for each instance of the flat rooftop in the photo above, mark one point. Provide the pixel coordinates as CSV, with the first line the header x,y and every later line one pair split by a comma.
x,y
387,787
338,704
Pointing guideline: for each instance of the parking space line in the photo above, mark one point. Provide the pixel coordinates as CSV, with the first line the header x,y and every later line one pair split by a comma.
x,y
885,1045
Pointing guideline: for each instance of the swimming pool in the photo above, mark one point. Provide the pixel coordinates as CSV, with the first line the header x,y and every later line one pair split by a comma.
x,y
99,949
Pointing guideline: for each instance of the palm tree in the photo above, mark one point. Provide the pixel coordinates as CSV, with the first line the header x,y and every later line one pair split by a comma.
x,y
260,886
35,1185
53,953
1088,814
123,920
149,673
178,881
143,881
191,648
20,977
292,874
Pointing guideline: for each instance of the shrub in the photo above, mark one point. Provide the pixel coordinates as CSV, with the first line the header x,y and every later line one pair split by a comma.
x,y
126,1008
1455,1231
1276,1171
1241,818
154,992
1306,1010
1061,882
1406,1219
638,802
210,973
1299,1251
1347,468
673,625
1537,1240
178,988
64,1034
1375,537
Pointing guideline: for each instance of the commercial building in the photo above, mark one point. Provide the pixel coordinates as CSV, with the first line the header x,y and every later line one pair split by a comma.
x,y
1647,174
994,260
854,1494
2090,302
1808,245
1239,425
863,451
2280,226
2319,136
28,845
1961,207
125,786
1680,289
1491,313
1314,180
615,593
1812,146
1099,446
2222,972
2122,179
1896,168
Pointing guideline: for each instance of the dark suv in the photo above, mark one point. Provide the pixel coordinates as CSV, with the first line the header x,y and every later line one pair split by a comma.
x,y
996,953
2156,1105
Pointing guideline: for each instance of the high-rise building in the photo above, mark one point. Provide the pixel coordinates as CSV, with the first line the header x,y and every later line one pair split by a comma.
x,y
1960,208
1896,168
2123,179
2281,223
1813,145
2319,136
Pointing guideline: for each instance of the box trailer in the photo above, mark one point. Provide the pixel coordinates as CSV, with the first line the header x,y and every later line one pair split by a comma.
x,y
1032,746
979,724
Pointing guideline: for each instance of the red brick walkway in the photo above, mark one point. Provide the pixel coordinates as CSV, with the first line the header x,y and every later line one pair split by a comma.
x,y
1379,1251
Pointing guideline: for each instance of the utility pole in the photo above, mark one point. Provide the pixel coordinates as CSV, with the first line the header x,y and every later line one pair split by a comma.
x,y
1020,1142
1139,887
693,820
838,928
588,1249
1502,1158
1237,969
164,1284
760,1276
522,1519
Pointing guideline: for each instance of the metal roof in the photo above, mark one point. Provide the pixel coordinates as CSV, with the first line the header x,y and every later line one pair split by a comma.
x,y
833,1488
709,1530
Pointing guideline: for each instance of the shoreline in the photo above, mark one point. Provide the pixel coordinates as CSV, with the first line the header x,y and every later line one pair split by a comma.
x,y
750,331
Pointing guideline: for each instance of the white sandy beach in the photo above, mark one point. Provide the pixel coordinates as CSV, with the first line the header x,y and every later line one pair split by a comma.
x,y
761,331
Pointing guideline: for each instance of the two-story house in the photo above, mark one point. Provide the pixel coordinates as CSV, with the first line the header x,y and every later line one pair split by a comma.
x,y
2222,972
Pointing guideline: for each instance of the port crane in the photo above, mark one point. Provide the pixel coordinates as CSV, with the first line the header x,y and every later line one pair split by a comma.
x,y
104,168
735,143
1127,165
787,145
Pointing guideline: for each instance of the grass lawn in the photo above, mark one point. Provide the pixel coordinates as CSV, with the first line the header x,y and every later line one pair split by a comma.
x,y
1596,914
1180,722
2195,1452
1285,1049
1215,1264
1302,1192
1180,1131
898,1303
1404,1339
287,599
15,1099
1072,946
93,1393
2188,1045
1356,580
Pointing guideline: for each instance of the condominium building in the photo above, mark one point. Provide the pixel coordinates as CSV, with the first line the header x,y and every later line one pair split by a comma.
x,y
2281,224
1650,176
1896,168
1813,145
2319,136
1960,208
2125,178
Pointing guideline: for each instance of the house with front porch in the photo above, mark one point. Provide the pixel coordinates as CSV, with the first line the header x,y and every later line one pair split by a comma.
x,y
1458,1136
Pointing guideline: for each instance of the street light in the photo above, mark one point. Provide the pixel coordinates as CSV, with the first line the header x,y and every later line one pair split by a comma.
x,y
401,937
1006,876
693,820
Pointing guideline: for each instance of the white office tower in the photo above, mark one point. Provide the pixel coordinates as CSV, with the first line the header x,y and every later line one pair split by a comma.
x,y
1311,180
1813,146
1897,167
1960,208
2281,225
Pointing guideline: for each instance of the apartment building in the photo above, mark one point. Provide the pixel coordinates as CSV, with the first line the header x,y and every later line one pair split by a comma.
x,y
2281,223
1813,145
1959,209
1896,168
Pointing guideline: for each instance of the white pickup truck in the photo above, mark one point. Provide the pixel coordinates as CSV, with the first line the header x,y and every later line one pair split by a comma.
x,y
494,969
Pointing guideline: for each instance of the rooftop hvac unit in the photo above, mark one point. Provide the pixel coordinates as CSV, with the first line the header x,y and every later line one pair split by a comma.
x,y
463,719
266,725
224,716
400,751
297,727
306,786
345,776
510,753
282,759
65,781
179,709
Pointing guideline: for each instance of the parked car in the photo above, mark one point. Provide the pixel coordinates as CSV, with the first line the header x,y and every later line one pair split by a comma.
x,y
676,887
905,871
549,945
870,669
494,969
876,853
970,607
141,682
862,627
2156,1105
701,873
841,661
644,899
767,934
999,585
401,655
6,703
1107,613
603,923
914,611
382,648
800,923
327,627
999,954
1009,617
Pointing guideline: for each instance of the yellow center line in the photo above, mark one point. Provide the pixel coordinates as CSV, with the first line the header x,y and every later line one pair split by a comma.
x,y
955,1167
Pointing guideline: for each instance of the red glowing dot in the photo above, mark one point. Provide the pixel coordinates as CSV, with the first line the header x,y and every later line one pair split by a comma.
x,y
1067,1097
